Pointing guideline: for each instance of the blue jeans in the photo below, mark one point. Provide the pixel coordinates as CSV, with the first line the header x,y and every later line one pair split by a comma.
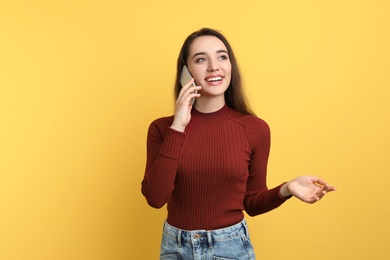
x,y
231,243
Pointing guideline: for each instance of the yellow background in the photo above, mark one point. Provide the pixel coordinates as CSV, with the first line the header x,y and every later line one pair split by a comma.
x,y
80,81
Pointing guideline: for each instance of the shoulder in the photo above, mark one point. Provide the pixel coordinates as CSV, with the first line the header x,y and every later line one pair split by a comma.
x,y
256,129
162,121
252,123
161,124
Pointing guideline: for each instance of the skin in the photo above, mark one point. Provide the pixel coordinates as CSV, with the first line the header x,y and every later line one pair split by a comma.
x,y
208,59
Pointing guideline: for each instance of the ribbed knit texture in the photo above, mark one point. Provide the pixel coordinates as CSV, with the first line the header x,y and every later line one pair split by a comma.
x,y
210,173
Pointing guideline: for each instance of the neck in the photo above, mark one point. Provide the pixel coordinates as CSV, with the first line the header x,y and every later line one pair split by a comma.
x,y
209,105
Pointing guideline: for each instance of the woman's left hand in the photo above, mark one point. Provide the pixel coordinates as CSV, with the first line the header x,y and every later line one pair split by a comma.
x,y
309,189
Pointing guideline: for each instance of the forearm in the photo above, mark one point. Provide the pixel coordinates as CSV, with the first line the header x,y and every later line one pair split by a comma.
x,y
158,183
163,153
264,201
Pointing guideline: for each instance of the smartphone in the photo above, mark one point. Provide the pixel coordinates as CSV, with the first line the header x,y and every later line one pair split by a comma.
x,y
184,78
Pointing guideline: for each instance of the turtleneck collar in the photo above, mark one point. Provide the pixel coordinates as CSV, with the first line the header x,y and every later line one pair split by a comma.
x,y
218,115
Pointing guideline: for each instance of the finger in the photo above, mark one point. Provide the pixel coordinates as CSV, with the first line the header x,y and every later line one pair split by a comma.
x,y
188,90
320,192
326,191
319,181
313,200
193,97
189,84
329,188
193,92
188,99
321,195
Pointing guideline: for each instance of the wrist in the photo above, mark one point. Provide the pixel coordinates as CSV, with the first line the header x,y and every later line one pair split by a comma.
x,y
178,128
284,190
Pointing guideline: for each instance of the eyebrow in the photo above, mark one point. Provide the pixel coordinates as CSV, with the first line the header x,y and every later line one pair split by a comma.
x,y
204,53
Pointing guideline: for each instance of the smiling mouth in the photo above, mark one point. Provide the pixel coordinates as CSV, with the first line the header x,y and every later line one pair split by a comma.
x,y
214,79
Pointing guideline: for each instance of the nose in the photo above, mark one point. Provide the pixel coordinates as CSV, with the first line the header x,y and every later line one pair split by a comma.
x,y
212,66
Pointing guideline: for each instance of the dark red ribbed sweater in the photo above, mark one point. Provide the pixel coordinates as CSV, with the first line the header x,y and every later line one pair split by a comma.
x,y
210,173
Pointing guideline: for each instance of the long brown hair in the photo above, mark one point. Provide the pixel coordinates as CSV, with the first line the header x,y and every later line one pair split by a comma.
x,y
234,95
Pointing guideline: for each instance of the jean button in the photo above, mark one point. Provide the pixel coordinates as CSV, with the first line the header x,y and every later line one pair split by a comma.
x,y
196,236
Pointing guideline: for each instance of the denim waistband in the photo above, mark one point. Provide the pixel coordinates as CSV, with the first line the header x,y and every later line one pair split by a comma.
x,y
238,230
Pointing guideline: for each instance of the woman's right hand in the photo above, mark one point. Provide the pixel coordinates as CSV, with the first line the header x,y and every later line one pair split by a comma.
x,y
184,105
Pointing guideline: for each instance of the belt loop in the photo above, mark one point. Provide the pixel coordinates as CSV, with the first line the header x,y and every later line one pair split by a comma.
x,y
209,239
179,237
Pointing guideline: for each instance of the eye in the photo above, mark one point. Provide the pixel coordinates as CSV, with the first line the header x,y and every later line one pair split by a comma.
x,y
200,60
223,57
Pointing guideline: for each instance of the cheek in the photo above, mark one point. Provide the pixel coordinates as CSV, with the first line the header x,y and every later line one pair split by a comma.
x,y
228,81
197,79
228,76
195,74
228,70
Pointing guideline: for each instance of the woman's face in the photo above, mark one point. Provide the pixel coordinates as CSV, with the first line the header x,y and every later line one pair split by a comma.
x,y
209,64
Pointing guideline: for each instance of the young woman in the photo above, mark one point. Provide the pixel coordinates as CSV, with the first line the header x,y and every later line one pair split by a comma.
x,y
208,162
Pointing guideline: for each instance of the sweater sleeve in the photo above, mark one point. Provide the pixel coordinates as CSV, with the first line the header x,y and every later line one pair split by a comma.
x,y
163,153
258,198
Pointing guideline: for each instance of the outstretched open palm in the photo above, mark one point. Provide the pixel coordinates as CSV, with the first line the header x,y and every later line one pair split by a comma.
x,y
309,189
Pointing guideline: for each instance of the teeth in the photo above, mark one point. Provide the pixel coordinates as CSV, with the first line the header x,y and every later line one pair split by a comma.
x,y
215,79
